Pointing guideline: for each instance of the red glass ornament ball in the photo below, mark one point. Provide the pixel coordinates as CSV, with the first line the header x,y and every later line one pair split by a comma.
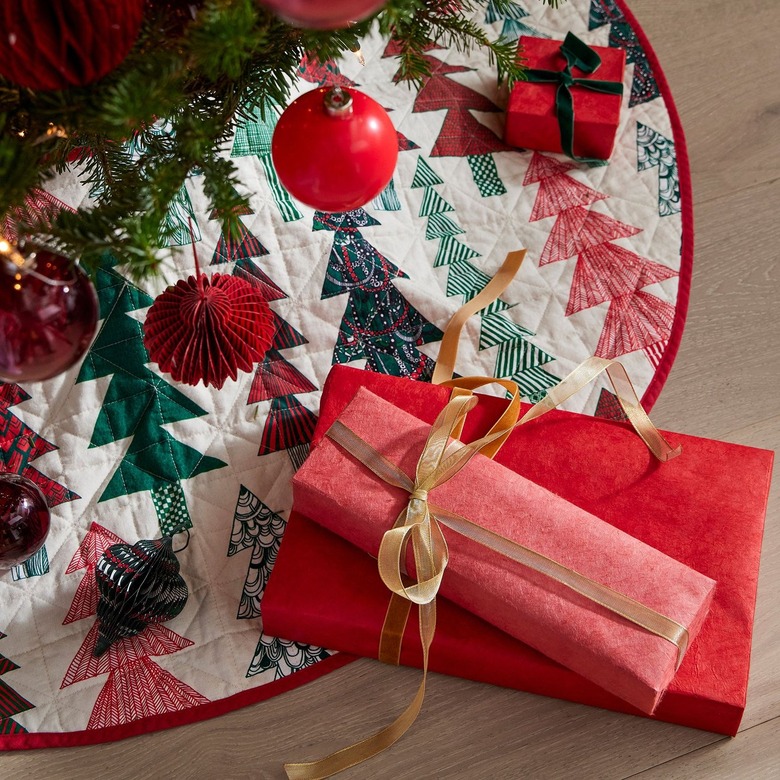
x,y
24,519
323,14
338,160
48,316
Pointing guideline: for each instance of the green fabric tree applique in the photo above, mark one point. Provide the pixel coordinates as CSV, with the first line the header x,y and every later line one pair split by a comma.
x,y
379,324
11,703
512,17
656,150
254,138
138,403
258,527
518,358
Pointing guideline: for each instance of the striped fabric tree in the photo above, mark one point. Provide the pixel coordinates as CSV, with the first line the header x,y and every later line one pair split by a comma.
x,y
253,137
180,226
517,358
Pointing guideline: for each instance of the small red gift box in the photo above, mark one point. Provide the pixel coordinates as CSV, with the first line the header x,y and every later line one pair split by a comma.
x,y
710,500
532,121
574,627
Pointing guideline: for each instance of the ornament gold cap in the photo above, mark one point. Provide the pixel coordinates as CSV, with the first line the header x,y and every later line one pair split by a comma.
x,y
337,102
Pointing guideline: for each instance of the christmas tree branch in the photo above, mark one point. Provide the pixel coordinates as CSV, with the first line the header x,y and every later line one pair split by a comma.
x,y
204,78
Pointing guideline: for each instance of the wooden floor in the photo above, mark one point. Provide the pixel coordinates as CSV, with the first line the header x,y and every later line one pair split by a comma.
x,y
722,59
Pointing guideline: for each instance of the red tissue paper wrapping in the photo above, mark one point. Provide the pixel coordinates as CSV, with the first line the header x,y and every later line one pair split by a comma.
x,y
339,492
705,508
531,120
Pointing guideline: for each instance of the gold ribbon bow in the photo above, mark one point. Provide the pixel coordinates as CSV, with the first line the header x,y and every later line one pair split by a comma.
x,y
420,522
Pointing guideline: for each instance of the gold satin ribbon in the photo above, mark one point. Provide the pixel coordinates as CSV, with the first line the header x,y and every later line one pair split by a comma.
x,y
441,459
448,350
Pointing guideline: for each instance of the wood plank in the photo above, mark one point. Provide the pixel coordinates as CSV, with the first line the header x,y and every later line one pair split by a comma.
x,y
467,730
715,55
753,755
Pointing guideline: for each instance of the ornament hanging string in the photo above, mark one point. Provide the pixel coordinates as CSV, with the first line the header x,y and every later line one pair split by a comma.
x,y
186,544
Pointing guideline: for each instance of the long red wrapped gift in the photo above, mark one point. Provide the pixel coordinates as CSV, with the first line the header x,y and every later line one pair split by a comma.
x,y
688,508
585,593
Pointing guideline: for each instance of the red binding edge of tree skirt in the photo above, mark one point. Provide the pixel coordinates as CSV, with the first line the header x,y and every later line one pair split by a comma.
x,y
262,692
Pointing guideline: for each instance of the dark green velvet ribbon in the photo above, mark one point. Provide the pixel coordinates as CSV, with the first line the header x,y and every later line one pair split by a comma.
x,y
577,54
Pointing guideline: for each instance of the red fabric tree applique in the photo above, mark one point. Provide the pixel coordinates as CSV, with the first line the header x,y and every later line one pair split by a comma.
x,y
462,134
323,73
289,425
19,446
137,687
38,205
605,271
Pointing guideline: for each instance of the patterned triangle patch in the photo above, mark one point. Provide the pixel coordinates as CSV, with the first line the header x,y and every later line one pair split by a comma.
x,y
440,225
424,175
451,250
498,329
433,203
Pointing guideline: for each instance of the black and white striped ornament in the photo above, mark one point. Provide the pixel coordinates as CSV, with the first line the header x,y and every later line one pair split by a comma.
x,y
137,585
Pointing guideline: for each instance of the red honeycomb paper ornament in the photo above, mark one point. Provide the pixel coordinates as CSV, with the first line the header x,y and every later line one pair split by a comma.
x,y
208,329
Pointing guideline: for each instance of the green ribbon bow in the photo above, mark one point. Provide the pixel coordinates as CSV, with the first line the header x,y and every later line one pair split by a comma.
x,y
578,54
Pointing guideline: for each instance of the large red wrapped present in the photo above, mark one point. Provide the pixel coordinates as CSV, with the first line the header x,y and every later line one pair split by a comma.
x,y
705,509
542,569
571,101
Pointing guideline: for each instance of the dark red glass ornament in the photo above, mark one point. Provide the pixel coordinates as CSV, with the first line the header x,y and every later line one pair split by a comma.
x,y
334,149
323,14
54,44
24,519
48,315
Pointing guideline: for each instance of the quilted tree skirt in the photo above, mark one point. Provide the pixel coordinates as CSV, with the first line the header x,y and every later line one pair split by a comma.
x,y
124,453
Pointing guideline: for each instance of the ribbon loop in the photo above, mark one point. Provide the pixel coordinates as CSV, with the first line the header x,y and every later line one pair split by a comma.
x,y
578,54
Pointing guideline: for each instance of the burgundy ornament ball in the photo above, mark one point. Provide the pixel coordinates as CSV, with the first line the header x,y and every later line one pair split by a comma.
x,y
322,14
48,315
24,519
334,149
54,44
